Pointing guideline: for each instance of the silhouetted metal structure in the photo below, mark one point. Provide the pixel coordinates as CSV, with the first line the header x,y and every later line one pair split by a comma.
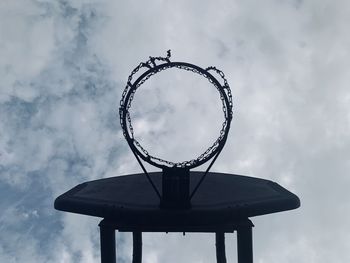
x,y
176,199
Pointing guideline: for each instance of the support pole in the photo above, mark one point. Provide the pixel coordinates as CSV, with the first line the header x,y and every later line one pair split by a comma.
x,y
220,247
245,243
137,247
107,239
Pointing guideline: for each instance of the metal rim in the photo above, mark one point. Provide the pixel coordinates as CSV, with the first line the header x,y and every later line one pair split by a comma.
x,y
128,95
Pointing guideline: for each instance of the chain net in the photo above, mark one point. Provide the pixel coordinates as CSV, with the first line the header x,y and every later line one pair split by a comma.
x,y
151,69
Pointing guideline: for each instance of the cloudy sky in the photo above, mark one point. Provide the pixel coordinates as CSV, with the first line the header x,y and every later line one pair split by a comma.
x,y
64,64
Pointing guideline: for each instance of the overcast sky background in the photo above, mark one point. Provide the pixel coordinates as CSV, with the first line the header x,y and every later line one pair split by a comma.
x,y
64,64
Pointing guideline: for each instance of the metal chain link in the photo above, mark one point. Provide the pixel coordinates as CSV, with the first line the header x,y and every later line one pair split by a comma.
x,y
149,64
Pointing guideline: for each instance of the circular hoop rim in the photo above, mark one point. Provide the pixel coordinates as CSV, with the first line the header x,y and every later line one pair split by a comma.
x,y
128,95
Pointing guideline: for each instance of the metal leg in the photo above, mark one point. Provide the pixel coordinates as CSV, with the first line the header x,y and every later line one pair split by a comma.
x,y
220,247
245,243
137,247
107,239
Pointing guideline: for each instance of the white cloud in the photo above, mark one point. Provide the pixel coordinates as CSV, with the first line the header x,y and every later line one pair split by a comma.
x,y
64,65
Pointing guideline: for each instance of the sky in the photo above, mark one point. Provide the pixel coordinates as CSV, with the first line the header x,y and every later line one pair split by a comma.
x,y
64,65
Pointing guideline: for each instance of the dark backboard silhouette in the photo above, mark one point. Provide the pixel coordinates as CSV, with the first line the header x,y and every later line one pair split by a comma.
x,y
176,199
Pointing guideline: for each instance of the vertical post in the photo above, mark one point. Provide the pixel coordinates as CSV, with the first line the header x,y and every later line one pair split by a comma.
x,y
245,243
220,247
137,247
107,243
175,188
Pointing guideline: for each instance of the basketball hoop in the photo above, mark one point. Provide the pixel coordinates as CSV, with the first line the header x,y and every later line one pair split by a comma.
x,y
156,65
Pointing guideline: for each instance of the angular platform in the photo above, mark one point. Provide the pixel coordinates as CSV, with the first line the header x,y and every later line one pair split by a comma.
x,y
222,199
